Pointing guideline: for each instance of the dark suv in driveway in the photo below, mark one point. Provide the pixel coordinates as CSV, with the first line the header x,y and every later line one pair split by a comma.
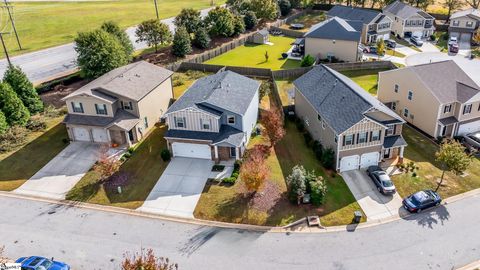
x,y
381,180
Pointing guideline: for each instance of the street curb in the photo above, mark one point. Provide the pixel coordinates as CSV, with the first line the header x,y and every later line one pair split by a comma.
x,y
226,225
470,266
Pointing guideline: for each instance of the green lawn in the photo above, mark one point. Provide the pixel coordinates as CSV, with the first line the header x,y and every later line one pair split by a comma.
x,y
225,203
308,20
19,165
394,53
366,78
422,151
46,24
253,55
144,169
442,41
284,86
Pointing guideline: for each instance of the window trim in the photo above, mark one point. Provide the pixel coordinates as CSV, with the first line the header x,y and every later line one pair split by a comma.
x,y
145,122
410,95
405,111
231,117
394,105
98,109
75,109
359,137
469,106
203,123
447,108
129,105
396,88
182,121
345,142
390,130
374,138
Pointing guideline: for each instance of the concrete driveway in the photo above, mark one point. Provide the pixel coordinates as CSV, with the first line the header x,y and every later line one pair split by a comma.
x,y
374,204
179,188
56,178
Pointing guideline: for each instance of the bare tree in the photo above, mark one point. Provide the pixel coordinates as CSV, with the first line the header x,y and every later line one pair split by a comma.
x,y
473,3
452,5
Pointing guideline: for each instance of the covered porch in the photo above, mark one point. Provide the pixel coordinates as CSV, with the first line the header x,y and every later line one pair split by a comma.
x,y
446,127
393,148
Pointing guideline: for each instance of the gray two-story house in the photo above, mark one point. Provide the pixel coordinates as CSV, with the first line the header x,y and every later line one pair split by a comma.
x,y
344,117
409,21
214,118
121,106
375,24
464,23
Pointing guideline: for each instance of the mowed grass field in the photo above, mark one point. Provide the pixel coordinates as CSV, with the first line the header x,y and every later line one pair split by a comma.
x,y
46,24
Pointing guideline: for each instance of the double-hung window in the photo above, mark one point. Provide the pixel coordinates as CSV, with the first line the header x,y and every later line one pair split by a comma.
x,y
348,139
390,130
375,135
447,108
179,122
467,109
205,124
396,88
405,112
362,137
127,105
101,109
410,95
77,107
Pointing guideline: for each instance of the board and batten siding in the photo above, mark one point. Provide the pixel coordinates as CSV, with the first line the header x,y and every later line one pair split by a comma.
x,y
193,120
365,125
250,118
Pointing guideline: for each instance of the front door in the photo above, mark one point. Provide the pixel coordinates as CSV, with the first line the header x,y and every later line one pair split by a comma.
x,y
233,151
130,135
386,153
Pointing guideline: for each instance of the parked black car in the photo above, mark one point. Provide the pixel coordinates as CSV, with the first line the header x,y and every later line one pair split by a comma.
x,y
390,44
421,200
381,180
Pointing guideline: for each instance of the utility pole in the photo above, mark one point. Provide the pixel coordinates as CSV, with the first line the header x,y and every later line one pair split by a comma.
x,y
13,23
156,8
5,50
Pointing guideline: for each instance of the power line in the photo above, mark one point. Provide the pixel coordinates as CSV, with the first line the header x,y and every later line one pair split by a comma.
x,y
5,49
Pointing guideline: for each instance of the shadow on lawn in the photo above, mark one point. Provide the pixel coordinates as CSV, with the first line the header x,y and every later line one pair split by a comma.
x,y
29,159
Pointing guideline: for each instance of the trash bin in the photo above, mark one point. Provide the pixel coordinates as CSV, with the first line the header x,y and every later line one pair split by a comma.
x,y
357,216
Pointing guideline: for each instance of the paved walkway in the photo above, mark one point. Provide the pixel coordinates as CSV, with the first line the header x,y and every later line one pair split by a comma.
x,y
56,178
179,188
51,63
375,205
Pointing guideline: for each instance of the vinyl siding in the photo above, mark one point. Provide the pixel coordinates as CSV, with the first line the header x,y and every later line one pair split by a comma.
x,y
363,126
250,117
341,49
88,104
462,22
155,104
193,120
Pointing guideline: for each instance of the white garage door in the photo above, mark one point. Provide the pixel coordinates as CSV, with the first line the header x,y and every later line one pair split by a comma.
x,y
81,134
386,36
417,33
99,135
349,163
468,128
191,150
369,159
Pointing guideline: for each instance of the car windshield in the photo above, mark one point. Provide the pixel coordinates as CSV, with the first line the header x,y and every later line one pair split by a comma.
x,y
475,137
420,197
387,183
45,264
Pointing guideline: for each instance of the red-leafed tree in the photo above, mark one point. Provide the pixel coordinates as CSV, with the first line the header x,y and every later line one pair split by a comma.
x,y
106,165
254,170
148,261
273,123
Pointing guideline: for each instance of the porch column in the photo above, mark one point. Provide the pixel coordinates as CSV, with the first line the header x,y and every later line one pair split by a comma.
x,y
108,137
402,148
453,130
128,138
215,148
237,153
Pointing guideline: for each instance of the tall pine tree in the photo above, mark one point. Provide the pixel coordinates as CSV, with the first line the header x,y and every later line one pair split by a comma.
x,y
3,123
12,106
19,82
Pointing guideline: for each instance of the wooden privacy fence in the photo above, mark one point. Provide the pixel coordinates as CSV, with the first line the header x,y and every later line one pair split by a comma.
x,y
362,65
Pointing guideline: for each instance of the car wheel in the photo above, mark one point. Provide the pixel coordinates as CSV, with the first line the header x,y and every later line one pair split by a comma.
x,y
379,189
437,204
419,210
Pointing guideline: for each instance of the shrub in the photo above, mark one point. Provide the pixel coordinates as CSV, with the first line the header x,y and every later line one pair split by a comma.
x,y
220,22
318,191
12,106
318,150
229,180
235,175
414,174
113,29
265,89
190,19
236,166
285,7
296,183
12,138
127,155
165,154
181,43
217,168
250,20
24,89
433,37
35,124
238,25
65,140
300,125
131,150
3,123
328,157
178,79
308,138
307,61
202,39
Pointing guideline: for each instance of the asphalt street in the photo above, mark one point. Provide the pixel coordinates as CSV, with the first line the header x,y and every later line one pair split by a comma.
x,y
46,64
445,238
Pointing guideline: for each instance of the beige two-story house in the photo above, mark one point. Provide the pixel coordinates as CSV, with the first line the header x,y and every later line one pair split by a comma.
x,y
375,25
121,106
464,23
409,21
342,116
438,98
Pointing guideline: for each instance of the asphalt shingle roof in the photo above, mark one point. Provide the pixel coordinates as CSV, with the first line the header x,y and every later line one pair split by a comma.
x,y
133,81
226,89
471,12
336,28
227,134
353,13
394,141
404,10
122,119
338,100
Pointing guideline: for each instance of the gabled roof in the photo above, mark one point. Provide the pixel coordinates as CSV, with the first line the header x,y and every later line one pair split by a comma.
x,y
336,28
133,81
471,13
226,90
353,13
447,81
404,11
340,101
227,134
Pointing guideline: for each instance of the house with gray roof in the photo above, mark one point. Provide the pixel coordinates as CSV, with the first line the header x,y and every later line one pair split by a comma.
x,y
342,116
375,25
438,98
121,106
214,118
464,23
334,37
409,20
261,37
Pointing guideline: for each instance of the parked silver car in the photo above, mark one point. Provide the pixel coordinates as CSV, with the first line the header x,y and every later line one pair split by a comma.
x,y
472,140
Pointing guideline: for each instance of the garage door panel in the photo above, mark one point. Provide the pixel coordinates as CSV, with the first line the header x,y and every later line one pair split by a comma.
x,y
191,150
99,135
369,159
349,163
81,134
468,128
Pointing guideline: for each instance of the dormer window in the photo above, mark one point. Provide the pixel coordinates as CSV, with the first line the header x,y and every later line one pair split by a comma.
x,y
127,105
467,109
101,109
231,120
77,107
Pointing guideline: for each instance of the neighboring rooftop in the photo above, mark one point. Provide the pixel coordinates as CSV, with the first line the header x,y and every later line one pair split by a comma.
x,y
122,119
471,12
225,90
353,13
447,81
339,100
405,11
133,81
336,28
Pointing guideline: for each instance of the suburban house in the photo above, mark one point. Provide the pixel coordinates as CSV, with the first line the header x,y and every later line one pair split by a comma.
x,y
214,118
464,23
375,24
261,37
409,21
334,37
438,98
344,117
121,106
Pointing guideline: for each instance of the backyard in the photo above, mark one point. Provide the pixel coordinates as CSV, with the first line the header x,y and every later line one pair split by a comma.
x,y
227,204
143,170
22,162
421,151
253,55
284,86
61,20
183,80
307,20
366,78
